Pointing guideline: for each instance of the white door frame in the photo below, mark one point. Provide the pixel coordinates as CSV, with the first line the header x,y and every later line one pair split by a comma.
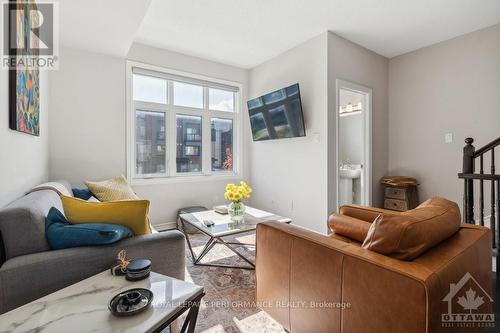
x,y
366,195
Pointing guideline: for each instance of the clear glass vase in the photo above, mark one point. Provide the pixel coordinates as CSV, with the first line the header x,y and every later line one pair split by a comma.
x,y
236,211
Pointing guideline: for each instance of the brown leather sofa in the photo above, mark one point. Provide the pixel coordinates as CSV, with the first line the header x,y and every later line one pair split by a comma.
x,y
311,282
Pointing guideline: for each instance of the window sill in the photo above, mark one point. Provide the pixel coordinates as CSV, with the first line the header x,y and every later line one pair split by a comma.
x,y
184,179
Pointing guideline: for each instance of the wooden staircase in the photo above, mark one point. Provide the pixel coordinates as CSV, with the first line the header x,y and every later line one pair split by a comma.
x,y
471,159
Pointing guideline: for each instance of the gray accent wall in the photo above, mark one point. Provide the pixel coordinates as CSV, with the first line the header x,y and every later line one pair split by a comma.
x,y
351,62
289,176
450,87
296,177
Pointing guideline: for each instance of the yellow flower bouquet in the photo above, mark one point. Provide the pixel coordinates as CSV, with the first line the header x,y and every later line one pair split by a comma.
x,y
235,194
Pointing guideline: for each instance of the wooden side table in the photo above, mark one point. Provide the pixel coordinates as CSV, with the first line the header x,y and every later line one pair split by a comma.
x,y
400,193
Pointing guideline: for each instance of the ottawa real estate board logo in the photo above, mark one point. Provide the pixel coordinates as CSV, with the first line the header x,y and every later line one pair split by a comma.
x,y
469,305
30,35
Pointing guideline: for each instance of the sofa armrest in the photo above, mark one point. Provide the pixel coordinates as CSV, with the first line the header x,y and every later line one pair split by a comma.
x,y
365,213
349,227
26,278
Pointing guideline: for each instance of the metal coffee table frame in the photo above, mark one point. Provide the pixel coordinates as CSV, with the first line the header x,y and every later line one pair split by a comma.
x,y
213,240
189,325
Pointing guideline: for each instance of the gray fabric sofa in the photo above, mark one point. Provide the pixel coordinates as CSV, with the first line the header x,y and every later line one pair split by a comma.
x,y
30,270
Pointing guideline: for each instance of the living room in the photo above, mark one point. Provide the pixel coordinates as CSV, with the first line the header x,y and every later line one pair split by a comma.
x,y
228,126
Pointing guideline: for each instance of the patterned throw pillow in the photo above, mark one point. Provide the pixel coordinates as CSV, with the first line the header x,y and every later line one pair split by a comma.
x,y
112,189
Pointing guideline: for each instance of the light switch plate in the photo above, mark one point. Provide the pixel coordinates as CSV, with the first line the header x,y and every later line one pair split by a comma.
x,y
448,138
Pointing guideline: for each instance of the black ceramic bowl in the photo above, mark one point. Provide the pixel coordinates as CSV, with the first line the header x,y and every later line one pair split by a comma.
x,y
130,302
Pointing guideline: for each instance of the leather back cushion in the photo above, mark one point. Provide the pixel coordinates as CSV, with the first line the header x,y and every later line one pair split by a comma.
x,y
407,235
348,227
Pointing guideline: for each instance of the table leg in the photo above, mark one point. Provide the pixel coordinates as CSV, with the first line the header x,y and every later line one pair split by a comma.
x,y
174,327
190,322
188,240
211,242
229,246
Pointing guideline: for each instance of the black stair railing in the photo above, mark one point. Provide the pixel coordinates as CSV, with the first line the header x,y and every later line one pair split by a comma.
x,y
470,156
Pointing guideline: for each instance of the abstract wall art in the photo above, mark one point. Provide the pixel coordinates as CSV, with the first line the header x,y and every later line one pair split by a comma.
x,y
24,77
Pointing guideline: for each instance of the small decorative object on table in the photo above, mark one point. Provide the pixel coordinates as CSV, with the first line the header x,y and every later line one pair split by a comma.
x,y
235,194
138,269
119,267
222,209
130,302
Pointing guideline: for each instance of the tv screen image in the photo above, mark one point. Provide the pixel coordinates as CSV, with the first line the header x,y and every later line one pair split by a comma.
x,y
277,115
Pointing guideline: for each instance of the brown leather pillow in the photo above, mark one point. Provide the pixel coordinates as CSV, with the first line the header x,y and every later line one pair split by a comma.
x,y
407,235
349,227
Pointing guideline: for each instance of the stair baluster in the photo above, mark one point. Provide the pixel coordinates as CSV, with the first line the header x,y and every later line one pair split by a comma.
x,y
468,175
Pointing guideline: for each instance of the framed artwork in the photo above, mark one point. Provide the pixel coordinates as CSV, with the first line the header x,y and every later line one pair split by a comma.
x,y
24,79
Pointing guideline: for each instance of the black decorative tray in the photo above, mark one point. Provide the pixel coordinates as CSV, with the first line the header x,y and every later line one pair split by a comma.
x,y
130,302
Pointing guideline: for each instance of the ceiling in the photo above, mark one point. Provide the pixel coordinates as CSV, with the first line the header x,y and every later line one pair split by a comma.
x,y
246,33
102,26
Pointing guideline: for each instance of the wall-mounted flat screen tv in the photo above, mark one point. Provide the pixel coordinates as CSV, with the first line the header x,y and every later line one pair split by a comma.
x,y
277,115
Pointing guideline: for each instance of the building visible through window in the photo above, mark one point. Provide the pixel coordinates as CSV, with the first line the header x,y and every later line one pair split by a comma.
x,y
170,115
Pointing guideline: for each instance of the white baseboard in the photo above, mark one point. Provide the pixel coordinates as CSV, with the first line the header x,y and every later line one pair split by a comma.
x,y
165,226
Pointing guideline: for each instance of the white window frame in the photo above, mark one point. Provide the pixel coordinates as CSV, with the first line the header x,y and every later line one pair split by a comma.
x,y
171,111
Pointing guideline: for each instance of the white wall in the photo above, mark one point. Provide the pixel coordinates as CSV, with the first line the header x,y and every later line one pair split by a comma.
x,y
289,175
88,133
87,137
450,87
23,157
354,63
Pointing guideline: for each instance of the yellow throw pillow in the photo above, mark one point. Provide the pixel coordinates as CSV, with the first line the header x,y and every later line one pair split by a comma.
x,y
132,214
112,189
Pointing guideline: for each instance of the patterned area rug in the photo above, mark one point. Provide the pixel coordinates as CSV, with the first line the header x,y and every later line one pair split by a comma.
x,y
230,293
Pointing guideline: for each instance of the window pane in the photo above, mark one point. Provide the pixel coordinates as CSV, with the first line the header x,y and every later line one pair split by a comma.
x,y
150,139
188,95
220,100
274,97
150,89
188,143
259,127
222,144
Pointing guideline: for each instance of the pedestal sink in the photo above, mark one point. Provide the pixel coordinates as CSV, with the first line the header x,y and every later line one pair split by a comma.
x,y
348,173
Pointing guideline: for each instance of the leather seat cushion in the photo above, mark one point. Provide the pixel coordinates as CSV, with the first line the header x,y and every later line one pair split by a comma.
x,y
407,235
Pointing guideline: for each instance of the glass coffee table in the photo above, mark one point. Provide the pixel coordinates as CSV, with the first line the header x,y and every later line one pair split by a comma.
x,y
223,227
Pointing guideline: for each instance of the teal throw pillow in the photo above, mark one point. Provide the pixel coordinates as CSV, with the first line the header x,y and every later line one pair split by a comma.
x,y
61,234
